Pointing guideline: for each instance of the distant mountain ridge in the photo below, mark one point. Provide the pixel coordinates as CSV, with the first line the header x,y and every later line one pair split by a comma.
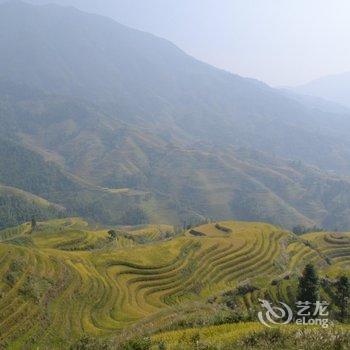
x,y
334,88
141,127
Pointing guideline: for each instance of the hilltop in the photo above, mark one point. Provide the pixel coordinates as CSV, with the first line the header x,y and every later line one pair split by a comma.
x,y
66,278
332,88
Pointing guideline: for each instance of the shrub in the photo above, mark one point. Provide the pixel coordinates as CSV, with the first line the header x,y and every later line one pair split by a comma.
x,y
161,346
223,317
300,230
311,339
137,344
264,338
15,270
245,289
112,234
223,228
88,343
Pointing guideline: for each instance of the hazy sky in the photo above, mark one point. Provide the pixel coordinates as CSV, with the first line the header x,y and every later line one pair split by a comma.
x,y
282,42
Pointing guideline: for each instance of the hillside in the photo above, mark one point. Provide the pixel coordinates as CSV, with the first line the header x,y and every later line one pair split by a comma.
x,y
112,121
149,83
150,201
333,88
30,176
61,136
66,279
17,206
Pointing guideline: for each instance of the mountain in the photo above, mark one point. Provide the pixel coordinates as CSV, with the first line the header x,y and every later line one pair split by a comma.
x,y
316,103
170,183
127,128
18,206
31,181
149,83
334,88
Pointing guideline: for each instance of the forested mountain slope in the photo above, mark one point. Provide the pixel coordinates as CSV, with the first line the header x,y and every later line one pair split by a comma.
x,y
28,171
18,206
132,124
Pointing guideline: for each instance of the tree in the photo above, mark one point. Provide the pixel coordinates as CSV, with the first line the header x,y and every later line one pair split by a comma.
x,y
300,230
134,216
309,286
112,234
89,343
33,223
343,295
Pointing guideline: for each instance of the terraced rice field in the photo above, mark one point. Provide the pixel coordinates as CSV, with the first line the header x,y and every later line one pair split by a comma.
x,y
151,232
64,279
334,247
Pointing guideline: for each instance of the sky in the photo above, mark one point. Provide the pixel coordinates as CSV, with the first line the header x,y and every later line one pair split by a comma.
x,y
281,42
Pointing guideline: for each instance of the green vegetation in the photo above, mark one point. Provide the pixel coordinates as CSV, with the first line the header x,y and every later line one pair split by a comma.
x,y
308,289
67,283
253,336
300,230
95,155
175,141
34,179
343,296
17,207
